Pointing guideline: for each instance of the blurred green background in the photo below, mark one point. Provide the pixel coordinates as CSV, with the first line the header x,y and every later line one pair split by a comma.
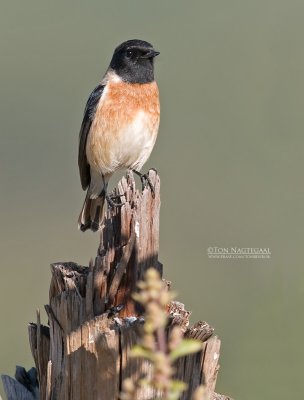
x,y
229,153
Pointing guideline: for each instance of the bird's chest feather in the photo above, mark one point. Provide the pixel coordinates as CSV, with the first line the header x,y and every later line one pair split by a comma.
x,y
125,126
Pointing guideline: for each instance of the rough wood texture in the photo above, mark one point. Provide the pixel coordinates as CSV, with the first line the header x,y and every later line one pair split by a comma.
x,y
39,336
93,321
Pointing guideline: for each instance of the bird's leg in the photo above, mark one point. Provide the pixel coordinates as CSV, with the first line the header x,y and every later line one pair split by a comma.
x,y
145,181
110,199
111,202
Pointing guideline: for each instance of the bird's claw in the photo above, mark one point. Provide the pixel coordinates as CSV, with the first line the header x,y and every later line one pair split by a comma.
x,y
145,181
111,202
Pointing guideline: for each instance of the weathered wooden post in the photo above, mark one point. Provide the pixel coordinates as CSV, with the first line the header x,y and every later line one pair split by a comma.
x,y
84,354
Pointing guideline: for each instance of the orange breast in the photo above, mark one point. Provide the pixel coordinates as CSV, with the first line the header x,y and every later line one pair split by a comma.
x,y
117,109
124,100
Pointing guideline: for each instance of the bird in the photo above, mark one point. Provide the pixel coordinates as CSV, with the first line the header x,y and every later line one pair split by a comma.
x,y
119,127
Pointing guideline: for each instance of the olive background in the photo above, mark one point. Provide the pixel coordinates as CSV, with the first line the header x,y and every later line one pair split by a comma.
x,y
229,153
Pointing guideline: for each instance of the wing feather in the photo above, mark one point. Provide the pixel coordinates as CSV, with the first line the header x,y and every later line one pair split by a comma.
x,y
88,117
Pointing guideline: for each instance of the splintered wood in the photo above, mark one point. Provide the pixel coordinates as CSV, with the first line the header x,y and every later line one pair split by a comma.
x,y
84,354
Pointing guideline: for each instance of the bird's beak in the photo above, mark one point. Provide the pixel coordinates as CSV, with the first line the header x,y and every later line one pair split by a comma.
x,y
150,54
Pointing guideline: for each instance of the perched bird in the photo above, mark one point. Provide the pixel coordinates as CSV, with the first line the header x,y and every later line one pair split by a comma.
x,y
119,126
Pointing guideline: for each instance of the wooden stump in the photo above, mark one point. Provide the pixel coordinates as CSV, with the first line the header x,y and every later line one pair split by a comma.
x,y
93,321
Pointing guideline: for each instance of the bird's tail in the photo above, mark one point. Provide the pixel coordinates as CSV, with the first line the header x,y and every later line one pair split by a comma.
x,y
92,214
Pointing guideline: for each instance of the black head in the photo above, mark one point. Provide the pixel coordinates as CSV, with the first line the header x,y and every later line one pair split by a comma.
x,y
133,61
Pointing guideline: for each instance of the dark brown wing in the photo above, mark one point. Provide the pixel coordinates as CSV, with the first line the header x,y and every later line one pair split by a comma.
x,y
89,113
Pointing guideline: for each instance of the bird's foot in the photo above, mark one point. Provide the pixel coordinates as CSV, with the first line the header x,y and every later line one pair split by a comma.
x,y
111,200
145,182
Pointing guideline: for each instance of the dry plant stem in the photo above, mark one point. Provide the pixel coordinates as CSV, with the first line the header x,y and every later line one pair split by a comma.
x,y
169,344
162,347
161,340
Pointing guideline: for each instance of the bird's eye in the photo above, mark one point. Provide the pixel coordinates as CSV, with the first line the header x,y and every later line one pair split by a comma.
x,y
129,53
